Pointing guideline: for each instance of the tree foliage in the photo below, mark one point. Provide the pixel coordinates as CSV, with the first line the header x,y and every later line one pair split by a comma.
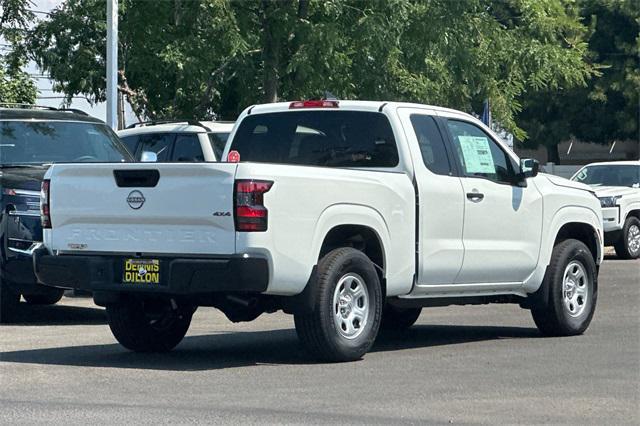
x,y
16,86
195,58
608,107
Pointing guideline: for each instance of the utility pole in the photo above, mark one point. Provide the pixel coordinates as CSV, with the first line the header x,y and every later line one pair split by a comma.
x,y
121,122
112,64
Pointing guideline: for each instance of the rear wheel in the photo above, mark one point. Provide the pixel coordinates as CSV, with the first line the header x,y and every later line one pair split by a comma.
x,y
347,307
149,325
49,296
394,318
628,246
9,302
572,283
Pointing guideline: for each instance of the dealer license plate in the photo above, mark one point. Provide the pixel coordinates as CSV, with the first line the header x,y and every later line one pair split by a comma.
x,y
141,271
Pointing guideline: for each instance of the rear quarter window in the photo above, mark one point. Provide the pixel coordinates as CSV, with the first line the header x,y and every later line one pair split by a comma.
x,y
318,138
218,142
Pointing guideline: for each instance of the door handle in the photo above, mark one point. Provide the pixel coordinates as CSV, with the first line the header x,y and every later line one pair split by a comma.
x,y
475,196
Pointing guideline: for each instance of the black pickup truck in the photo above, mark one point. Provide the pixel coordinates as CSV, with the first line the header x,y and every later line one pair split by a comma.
x,y
30,140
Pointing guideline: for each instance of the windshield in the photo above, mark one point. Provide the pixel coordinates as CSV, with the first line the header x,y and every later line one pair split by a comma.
x,y
622,175
317,138
40,142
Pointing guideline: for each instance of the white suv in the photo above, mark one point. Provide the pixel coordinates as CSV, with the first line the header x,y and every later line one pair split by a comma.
x,y
617,185
178,141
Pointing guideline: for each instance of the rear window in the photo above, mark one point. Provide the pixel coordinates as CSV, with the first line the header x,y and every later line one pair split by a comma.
x,y
318,138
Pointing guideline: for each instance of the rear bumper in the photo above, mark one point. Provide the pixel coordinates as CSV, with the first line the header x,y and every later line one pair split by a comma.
x,y
16,271
179,276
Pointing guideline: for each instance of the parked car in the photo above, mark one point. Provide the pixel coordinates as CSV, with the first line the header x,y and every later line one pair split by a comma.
x,y
178,141
346,214
617,185
31,139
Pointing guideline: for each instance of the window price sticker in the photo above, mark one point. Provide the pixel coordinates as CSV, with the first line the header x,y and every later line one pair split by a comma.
x,y
477,154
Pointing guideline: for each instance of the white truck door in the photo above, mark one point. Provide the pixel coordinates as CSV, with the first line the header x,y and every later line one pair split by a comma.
x,y
503,221
441,199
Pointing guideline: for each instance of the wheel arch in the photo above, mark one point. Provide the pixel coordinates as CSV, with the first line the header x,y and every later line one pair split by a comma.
x,y
347,225
361,237
635,212
583,232
577,222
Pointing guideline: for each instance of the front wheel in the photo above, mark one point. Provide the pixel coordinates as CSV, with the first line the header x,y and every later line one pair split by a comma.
x,y
345,318
628,246
149,325
572,283
50,296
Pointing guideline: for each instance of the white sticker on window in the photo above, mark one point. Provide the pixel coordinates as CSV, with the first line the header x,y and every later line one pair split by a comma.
x,y
477,154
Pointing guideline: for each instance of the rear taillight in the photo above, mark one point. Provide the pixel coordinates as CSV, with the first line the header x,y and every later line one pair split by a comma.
x,y
250,213
45,207
313,104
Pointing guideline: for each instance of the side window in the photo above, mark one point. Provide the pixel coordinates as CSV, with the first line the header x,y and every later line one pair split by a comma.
x,y
160,143
187,148
434,153
131,142
479,155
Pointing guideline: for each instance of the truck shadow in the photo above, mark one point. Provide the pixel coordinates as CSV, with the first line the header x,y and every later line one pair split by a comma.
x,y
254,348
57,315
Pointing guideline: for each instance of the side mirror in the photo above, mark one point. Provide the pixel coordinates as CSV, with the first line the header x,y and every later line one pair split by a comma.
x,y
529,168
149,157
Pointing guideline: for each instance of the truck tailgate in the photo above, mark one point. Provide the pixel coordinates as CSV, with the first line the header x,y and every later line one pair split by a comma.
x,y
143,208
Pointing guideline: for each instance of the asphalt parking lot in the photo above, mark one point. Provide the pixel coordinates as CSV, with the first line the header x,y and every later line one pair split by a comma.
x,y
477,364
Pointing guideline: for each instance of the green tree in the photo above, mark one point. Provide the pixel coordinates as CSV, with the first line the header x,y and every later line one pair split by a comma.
x,y
170,53
607,108
16,86
448,53
194,58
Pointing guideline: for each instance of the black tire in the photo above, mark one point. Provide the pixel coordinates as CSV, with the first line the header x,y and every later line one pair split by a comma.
x,y
398,319
318,330
624,249
148,325
47,297
9,302
554,317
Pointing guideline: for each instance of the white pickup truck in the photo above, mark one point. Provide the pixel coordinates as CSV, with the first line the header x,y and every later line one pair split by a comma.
x,y
350,215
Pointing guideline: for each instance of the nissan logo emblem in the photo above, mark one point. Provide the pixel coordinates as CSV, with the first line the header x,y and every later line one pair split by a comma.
x,y
135,199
